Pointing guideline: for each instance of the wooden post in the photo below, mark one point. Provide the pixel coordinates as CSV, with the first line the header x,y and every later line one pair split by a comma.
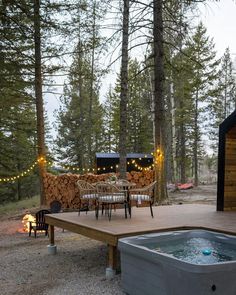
x,y
112,262
51,234
52,249
112,257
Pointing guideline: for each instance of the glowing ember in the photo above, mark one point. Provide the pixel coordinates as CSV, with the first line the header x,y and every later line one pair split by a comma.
x,y
25,221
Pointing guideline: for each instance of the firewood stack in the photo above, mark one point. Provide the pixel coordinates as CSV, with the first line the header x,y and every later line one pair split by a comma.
x,y
64,189
142,178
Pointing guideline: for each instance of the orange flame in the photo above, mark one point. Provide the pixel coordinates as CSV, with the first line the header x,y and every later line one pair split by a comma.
x,y
25,221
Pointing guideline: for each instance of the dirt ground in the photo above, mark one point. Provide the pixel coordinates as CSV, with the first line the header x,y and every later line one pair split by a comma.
x,y
77,269
203,194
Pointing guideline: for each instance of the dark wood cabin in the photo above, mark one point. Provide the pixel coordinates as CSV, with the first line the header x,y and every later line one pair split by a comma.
x,y
226,185
107,161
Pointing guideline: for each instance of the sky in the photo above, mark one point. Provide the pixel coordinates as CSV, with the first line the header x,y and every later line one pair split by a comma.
x,y
220,20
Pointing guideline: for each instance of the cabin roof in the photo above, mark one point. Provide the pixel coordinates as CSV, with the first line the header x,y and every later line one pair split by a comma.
x,y
228,123
117,155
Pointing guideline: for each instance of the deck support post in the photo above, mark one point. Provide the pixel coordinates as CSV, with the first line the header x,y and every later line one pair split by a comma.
x,y
52,248
112,262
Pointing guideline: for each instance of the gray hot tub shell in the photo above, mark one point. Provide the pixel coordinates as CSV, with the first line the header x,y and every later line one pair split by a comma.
x,y
147,272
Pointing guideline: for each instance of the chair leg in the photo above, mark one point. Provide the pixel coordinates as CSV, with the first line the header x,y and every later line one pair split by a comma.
x,y
109,211
129,208
106,208
151,209
125,211
79,208
96,210
35,233
30,229
87,208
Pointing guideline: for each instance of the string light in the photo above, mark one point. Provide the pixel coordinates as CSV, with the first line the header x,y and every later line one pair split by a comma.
x,y
27,171
158,155
21,174
139,167
42,160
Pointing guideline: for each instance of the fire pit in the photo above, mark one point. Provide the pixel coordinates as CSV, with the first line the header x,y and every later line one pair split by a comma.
x,y
25,221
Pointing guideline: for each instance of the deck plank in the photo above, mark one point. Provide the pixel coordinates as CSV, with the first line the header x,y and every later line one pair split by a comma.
x,y
165,218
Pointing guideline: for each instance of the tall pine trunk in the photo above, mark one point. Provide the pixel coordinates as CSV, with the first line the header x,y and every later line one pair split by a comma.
x,y
124,91
90,122
39,99
173,129
159,112
182,139
169,146
196,141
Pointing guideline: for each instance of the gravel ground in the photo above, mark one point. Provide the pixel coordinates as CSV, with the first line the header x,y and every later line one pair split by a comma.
x,y
78,268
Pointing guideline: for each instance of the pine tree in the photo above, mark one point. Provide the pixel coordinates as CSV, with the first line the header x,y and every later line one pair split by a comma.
x,y
139,114
140,128
222,99
17,119
19,30
76,145
201,66
111,116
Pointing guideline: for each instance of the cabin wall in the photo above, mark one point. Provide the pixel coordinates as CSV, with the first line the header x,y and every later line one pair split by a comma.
x,y
230,170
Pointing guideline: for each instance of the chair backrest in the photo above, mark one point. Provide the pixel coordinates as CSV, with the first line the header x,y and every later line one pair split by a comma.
x,y
40,218
105,187
84,185
151,186
55,206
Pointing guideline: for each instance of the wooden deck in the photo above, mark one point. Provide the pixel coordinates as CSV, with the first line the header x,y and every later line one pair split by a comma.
x,y
165,218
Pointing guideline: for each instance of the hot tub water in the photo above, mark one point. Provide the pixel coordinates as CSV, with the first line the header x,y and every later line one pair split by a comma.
x,y
196,250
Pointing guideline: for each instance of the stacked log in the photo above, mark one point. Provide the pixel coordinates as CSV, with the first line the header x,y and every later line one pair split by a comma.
x,y
142,178
64,189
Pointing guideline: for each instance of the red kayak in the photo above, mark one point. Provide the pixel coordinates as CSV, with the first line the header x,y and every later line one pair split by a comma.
x,y
185,186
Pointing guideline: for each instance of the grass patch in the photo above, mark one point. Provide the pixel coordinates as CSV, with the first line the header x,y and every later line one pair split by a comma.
x,y
14,207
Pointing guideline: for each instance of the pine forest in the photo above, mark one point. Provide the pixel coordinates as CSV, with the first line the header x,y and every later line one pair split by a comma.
x,y
128,77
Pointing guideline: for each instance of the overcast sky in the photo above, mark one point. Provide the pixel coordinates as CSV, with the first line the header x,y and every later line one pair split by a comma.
x,y
220,21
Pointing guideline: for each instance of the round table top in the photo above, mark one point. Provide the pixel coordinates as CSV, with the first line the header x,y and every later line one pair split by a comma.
x,y
123,184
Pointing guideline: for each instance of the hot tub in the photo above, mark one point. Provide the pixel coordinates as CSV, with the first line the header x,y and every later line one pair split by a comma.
x,y
190,262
